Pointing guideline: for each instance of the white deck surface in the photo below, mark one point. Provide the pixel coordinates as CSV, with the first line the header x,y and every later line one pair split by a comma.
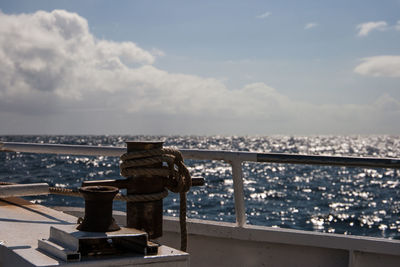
x,y
22,224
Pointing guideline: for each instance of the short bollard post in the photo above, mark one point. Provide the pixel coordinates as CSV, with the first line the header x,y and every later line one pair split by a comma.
x,y
98,209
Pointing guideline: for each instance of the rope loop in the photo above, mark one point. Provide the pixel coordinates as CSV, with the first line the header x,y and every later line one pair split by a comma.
x,y
173,170
177,176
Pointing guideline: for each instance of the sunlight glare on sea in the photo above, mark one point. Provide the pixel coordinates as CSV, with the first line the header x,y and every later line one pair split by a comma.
x,y
361,201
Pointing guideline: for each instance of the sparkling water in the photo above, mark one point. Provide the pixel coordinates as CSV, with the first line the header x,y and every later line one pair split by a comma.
x,y
358,201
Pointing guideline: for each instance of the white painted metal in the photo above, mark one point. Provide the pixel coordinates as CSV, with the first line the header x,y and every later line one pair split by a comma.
x,y
238,192
118,151
228,156
19,190
65,241
213,243
208,155
225,244
62,149
56,250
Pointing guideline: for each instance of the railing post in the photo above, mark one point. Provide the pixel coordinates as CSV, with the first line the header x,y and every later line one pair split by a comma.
x,y
237,176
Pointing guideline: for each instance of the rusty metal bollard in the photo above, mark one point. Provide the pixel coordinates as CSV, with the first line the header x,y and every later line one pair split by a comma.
x,y
144,215
147,216
98,209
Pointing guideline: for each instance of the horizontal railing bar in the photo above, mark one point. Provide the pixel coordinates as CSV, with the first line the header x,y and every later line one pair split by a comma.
x,y
62,149
20,190
329,160
195,154
202,154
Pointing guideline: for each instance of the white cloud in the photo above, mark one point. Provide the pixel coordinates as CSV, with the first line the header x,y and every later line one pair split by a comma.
x,y
365,28
157,52
397,26
264,15
380,66
54,53
56,77
310,25
387,103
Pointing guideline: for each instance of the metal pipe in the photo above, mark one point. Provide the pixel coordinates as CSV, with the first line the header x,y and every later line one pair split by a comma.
x,y
62,149
201,154
19,190
209,155
238,191
329,160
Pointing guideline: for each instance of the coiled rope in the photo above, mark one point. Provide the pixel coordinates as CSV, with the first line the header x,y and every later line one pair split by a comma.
x,y
178,179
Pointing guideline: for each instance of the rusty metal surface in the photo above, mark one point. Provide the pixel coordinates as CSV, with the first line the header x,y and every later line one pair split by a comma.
x,y
119,183
98,209
122,183
145,216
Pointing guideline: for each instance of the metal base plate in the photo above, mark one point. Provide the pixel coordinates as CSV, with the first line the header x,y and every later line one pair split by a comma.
x,y
70,244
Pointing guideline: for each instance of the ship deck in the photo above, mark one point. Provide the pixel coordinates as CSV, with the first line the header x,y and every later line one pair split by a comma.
x,y
23,223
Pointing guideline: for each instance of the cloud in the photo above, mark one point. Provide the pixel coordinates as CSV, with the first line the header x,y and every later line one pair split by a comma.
x,y
387,103
56,77
380,66
55,54
264,15
365,28
397,26
310,25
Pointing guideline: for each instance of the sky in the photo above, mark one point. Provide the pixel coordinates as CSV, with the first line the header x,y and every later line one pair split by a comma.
x,y
200,67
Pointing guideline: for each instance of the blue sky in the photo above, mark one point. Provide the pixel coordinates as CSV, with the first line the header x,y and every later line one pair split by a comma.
x,y
205,67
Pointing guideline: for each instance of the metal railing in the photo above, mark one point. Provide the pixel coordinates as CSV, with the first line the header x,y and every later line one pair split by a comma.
x,y
235,159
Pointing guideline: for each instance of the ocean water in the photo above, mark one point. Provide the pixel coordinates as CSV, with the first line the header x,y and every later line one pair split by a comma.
x,y
357,201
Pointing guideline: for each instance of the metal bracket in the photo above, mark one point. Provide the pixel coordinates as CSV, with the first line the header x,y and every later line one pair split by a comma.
x,y
68,244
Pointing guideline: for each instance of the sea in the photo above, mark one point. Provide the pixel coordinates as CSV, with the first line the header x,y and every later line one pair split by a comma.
x,y
343,200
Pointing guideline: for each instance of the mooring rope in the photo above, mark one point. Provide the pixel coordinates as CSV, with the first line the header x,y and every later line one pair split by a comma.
x,y
120,197
178,179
